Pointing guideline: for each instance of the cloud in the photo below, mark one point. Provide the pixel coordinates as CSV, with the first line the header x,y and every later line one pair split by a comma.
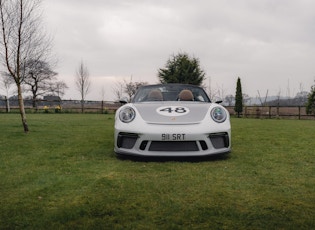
x,y
264,42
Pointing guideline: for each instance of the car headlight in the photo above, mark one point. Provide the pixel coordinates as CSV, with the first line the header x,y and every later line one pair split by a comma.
x,y
127,114
218,114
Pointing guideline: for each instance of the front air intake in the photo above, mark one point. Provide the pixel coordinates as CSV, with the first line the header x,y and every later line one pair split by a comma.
x,y
126,140
174,146
219,140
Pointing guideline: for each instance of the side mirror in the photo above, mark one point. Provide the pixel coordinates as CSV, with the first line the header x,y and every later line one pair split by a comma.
x,y
123,100
217,100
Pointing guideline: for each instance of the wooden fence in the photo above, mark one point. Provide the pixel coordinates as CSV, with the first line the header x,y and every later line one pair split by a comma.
x,y
292,112
64,106
74,106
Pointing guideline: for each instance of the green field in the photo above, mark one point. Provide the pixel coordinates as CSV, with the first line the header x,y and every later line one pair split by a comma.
x,y
65,175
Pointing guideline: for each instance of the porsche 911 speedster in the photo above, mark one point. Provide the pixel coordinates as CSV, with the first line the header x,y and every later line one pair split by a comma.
x,y
172,120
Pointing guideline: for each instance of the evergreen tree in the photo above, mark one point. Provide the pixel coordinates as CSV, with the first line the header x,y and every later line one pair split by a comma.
x,y
182,69
238,98
310,106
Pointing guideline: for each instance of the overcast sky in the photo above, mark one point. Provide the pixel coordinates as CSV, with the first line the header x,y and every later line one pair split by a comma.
x,y
269,44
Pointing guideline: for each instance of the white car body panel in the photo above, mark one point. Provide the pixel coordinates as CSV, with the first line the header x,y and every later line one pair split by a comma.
x,y
159,130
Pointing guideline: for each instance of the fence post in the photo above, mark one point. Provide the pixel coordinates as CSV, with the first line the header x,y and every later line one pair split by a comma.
x,y
102,111
299,112
257,113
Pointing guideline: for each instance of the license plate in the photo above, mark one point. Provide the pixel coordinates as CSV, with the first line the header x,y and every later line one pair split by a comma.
x,y
173,137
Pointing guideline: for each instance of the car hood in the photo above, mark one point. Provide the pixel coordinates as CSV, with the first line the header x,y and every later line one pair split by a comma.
x,y
173,112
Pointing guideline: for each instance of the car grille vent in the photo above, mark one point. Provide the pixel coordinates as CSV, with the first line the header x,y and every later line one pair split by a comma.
x,y
174,146
126,140
219,140
203,145
143,145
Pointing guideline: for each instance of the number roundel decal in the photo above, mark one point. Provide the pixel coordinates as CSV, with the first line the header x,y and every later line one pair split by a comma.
x,y
172,111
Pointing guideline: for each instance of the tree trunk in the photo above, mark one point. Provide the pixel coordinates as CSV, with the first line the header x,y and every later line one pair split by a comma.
x,y
22,109
7,104
82,106
34,103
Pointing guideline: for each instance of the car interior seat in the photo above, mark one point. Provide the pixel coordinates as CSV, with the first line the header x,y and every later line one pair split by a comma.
x,y
155,95
185,95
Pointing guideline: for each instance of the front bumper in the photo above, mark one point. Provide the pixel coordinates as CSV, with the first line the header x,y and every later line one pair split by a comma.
x,y
177,140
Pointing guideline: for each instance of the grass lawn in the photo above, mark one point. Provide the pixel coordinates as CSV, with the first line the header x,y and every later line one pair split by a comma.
x,y
65,175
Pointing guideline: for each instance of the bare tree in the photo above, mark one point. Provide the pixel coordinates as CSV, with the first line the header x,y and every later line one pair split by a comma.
x,y
301,97
21,36
7,82
131,88
220,92
38,78
58,88
118,90
263,103
229,99
246,99
83,82
126,89
103,93
212,93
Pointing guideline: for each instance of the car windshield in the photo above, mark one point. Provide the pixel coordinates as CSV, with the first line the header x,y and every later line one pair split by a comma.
x,y
170,92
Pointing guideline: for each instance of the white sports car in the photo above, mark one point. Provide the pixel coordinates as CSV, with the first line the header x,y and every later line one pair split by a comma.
x,y
172,120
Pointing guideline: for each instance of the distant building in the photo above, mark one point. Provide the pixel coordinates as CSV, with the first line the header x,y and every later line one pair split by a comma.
x,y
51,100
13,98
2,100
